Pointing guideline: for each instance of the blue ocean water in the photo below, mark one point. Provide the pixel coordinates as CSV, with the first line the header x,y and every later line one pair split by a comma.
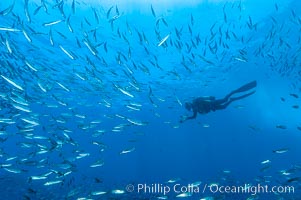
x,y
93,94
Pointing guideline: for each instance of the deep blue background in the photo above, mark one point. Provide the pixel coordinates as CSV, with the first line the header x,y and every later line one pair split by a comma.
x,y
238,139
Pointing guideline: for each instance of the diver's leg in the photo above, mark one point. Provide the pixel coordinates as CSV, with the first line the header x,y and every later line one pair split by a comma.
x,y
241,97
221,101
222,105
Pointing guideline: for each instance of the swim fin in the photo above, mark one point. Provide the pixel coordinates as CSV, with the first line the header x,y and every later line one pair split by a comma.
x,y
245,87
241,97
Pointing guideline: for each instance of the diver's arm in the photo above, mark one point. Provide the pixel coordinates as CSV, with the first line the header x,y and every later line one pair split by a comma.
x,y
187,118
193,116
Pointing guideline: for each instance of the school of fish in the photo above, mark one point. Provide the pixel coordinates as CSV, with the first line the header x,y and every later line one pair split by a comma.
x,y
68,79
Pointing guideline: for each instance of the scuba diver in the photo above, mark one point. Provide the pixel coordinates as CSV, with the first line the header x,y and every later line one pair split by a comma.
x,y
204,105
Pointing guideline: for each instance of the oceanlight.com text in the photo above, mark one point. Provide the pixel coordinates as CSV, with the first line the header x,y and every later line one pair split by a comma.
x,y
249,189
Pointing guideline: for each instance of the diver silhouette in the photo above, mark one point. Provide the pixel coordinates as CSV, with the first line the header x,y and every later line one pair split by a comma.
x,y
204,105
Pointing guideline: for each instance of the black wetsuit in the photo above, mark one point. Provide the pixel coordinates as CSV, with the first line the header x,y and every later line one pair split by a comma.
x,y
204,105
